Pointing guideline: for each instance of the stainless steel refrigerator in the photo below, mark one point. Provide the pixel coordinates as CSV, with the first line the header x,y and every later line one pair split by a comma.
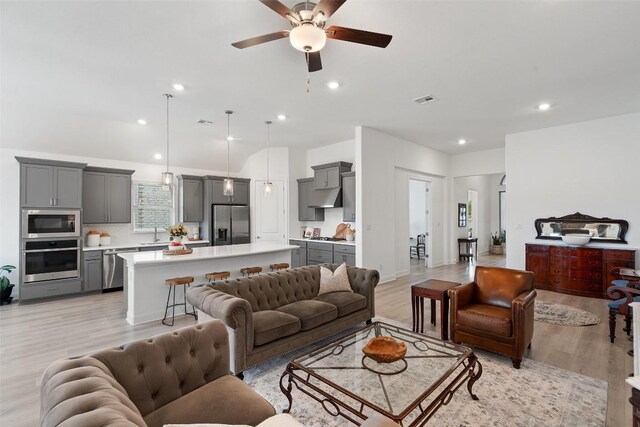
x,y
230,225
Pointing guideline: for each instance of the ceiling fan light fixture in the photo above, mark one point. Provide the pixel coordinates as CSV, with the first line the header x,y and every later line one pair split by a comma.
x,y
307,37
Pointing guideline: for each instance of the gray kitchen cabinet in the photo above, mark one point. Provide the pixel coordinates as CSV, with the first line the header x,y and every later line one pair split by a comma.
x,y
299,255
349,197
305,213
190,198
328,175
106,196
218,197
240,191
49,183
92,271
319,253
344,253
29,291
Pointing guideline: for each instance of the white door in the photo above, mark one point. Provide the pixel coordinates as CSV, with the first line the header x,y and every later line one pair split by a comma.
x,y
270,213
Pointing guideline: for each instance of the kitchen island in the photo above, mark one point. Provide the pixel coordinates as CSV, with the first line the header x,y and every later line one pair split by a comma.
x,y
146,292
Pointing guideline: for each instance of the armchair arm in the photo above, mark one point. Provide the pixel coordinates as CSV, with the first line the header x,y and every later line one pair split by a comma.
x,y
619,292
235,312
460,297
522,312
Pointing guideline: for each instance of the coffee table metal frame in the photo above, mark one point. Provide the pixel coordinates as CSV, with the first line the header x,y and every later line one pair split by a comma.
x,y
298,375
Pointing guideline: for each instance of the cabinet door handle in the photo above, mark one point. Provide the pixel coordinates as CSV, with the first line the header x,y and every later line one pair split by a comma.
x,y
50,202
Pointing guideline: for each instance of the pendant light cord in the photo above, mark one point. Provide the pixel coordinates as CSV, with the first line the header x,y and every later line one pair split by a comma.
x,y
268,147
228,135
167,96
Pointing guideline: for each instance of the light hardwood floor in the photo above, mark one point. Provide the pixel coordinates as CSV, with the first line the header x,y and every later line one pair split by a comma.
x,y
34,335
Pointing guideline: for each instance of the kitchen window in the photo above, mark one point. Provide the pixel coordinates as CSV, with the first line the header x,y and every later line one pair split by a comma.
x,y
152,206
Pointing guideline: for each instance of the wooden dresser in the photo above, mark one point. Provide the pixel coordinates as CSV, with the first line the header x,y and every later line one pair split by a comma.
x,y
583,271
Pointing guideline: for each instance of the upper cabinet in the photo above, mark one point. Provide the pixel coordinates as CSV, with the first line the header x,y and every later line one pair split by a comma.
x,y
240,191
106,195
305,213
328,175
349,196
49,183
190,198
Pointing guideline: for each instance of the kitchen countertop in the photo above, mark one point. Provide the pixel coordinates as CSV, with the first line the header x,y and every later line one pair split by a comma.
x,y
339,242
591,244
209,252
137,245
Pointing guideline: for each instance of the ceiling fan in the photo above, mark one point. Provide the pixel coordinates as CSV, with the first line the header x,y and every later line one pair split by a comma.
x,y
308,34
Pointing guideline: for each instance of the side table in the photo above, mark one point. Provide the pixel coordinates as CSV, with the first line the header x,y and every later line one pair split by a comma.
x,y
434,290
468,252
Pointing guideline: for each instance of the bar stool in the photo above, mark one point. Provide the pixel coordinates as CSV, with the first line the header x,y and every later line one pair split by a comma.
x,y
280,266
217,275
178,281
248,271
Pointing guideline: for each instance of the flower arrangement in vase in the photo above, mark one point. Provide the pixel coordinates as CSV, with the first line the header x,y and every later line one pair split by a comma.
x,y
176,234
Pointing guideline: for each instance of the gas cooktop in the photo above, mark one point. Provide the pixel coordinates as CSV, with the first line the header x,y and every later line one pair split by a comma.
x,y
328,239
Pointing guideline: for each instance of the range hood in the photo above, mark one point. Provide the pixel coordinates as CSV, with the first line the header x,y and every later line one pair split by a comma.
x,y
329,198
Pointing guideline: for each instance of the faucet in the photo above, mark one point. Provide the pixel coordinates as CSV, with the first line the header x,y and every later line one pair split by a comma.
x,y
155,235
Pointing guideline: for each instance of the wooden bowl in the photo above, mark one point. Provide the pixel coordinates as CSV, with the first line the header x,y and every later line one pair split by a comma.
x,y
384,349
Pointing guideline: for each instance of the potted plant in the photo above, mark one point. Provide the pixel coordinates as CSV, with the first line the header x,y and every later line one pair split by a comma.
x,y
496,244
177,232
5,285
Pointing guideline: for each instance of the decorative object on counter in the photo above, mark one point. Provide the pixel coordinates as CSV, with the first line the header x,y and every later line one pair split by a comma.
x,y
576,239
308,232
303,231
228,182
462,215
195,233
177,232
496,244
316,232
93,238
5,284
105,239
167,177
175,245
600,229
341,230
384,349
181,250
350,234
267,184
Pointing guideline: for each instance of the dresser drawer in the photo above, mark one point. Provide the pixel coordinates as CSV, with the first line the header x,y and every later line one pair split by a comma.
x,y
320,246
575,252
570,262
300,243
574,273
619,254
49,289
579,285
316,256
344,249
537,249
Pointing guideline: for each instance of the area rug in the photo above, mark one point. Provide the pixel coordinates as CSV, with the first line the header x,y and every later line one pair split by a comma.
x,y
537,395
559,314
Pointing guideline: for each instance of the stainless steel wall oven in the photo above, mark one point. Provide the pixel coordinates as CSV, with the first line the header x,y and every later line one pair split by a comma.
x,y
50,259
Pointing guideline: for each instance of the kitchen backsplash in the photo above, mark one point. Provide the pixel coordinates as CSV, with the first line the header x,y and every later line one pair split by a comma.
x,y
123,233
332,218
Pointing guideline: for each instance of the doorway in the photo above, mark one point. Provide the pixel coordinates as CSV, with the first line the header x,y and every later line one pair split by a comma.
x,y
419,203
270,212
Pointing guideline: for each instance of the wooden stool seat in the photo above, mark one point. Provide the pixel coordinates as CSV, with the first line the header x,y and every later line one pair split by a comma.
x,y
179,281
218,275
280,266
246,271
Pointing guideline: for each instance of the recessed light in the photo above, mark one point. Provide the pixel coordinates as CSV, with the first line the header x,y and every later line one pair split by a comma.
x,y
544,107
333,85
178,86
142,122
157,156
282,117
230,138
462,141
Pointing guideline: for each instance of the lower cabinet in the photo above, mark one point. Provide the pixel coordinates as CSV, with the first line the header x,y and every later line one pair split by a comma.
x,y
49,289
344,253
299,255
92,271
313,253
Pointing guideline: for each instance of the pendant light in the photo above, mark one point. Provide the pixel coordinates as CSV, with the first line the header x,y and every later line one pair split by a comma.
x,y
228,182
167,177
268,186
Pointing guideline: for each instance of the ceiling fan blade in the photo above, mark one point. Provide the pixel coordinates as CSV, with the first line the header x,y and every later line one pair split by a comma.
x,y
358,36
315,63
276,6
260,39
327,7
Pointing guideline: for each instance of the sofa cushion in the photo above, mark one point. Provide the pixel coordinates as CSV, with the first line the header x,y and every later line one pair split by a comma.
x,y
311,313
487,318
226,400
334,281
269,325
346,302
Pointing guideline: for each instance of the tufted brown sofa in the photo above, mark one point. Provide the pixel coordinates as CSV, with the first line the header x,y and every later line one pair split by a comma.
x,y
274,313
177,377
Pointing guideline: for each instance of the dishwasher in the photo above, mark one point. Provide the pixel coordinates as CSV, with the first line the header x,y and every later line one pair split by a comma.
x,y
112,269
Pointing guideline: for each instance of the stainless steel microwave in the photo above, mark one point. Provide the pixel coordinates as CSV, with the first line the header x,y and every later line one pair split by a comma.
x,y
47,223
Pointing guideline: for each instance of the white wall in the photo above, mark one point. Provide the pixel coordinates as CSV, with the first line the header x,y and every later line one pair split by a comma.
x,y
481,212
591,167
478,163
10,200
383,201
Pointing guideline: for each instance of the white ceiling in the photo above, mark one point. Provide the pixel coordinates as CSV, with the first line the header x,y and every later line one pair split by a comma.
x,y
77,75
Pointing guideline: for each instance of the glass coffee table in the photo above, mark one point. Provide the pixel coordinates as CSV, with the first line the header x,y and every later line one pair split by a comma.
x,y
409,391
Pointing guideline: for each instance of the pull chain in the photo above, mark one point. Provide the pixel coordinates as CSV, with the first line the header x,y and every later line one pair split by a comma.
x,y
306,55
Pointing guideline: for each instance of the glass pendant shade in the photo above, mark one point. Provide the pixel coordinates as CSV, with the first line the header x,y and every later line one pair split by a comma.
x,y
228,187
307,38
268,189
167,178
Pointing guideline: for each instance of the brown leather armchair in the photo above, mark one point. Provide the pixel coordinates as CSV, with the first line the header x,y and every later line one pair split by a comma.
x,y
495,311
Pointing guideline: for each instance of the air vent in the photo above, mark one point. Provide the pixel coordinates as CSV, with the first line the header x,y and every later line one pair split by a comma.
x,y
425,99
205,122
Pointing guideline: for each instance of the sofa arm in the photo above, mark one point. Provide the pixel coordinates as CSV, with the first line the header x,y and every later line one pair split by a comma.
x,y
364,281
235,312
83,392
